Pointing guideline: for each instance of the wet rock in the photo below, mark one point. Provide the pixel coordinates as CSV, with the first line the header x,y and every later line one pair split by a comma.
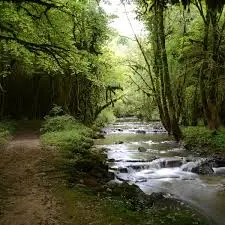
x,y
173,163
140,132
122,179
136,167
134,197
189,166
122,170
119,142
141,180
219,170
111,160
142,149
120,129
141,160
218,162
204,168
158,126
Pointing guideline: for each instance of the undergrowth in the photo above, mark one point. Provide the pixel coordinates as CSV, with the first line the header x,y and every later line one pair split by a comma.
x,y
6,129
66,133
74,141
202,137
82,206
105,117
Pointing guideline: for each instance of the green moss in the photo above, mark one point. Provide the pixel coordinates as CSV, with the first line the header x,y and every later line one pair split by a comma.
x,y
82,206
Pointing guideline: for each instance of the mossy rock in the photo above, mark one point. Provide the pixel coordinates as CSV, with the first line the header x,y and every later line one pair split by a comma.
x,y
135,198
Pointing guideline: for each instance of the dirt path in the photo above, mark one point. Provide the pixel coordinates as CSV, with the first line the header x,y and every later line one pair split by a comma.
x,y
25,196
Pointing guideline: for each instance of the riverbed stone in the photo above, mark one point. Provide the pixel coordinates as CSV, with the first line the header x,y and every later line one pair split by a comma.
x,y
142,149
111,160
141,132
173,163
204,168
119,142
134,197
122,170
218,162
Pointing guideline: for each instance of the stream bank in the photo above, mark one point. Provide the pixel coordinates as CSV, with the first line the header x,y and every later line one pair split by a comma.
x,y
143,154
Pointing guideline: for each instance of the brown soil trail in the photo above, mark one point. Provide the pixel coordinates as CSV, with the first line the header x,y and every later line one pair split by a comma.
x,y
25,195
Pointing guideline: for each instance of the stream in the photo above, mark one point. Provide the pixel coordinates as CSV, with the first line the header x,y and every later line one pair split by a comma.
x,y
142,153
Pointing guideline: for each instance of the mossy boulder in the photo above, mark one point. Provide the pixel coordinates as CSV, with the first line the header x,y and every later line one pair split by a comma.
x,y
134,197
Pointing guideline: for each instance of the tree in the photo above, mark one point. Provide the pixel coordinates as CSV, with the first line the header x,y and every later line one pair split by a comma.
x,y
49,63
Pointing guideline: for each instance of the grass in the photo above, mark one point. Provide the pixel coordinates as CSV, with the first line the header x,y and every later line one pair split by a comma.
x,y
82,206
202,138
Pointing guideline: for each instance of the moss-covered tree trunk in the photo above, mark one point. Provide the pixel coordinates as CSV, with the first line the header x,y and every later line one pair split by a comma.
x,y
160,87
166,76
208,77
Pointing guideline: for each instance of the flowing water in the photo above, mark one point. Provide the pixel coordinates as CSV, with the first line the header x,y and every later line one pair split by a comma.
x,y
142,153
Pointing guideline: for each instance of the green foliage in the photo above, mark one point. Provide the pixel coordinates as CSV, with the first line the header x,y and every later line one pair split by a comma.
x,y
56,111
125,109
9,125
3,136
105,117
198,137
66,65
74,141
84,206
66,133
58,123
219,139
6,128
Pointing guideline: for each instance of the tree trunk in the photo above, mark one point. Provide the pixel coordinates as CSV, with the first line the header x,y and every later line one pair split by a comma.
x,y
166,76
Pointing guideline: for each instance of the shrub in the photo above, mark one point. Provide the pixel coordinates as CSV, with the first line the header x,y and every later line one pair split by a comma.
x,y
6,128
3,136
105,117
203,137
62,123
74,140
66,133
219,139
197,136
69,140
56,111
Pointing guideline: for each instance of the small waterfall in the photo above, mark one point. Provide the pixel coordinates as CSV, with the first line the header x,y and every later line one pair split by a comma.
x,y
164,166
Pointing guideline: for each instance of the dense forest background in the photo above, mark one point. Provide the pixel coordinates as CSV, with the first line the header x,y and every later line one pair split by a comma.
x,y
55,53
65,53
